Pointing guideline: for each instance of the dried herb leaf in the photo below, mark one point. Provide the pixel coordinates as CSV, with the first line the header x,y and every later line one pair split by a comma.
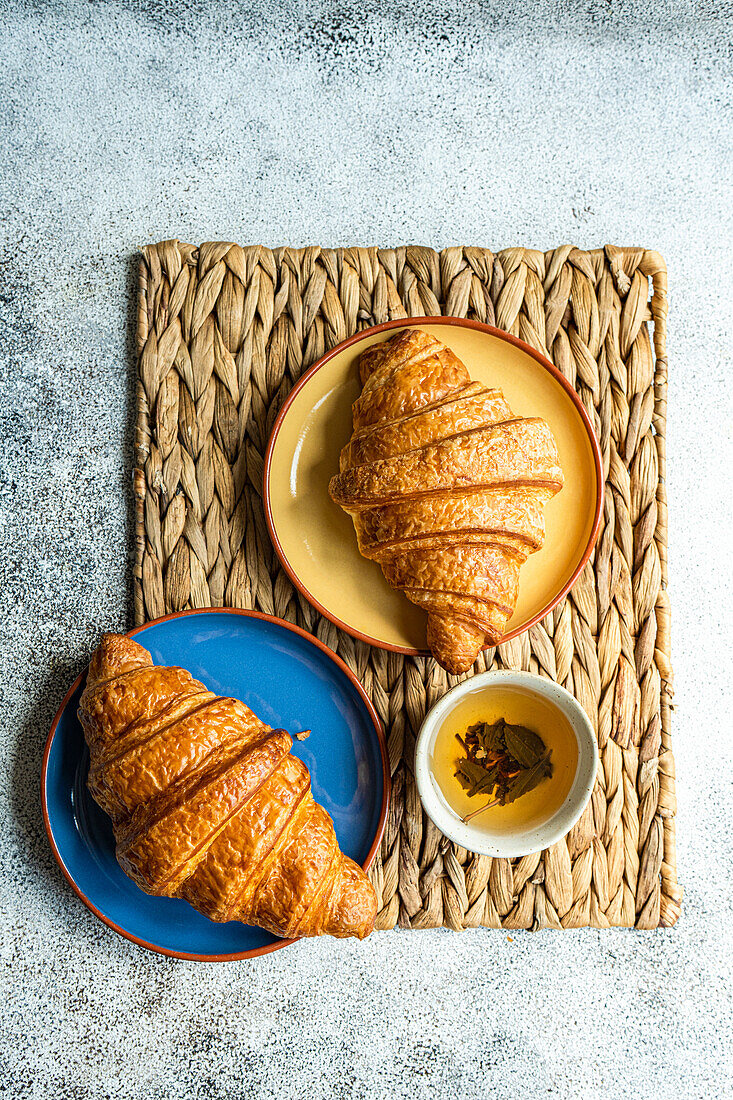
x,y
527,779
475,778
469,773
524,745
488,783
491,737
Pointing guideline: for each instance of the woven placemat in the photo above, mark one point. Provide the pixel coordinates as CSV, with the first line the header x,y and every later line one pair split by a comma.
x,y
223,333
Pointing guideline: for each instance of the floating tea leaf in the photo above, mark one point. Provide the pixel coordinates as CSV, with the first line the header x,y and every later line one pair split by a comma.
x,y
527,780
492,737
526,747
475,778
470,773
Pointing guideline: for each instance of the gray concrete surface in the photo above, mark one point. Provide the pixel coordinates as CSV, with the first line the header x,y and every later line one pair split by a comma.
x,y
496,124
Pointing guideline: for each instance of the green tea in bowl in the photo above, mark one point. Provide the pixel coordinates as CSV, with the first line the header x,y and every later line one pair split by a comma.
x,y
505,763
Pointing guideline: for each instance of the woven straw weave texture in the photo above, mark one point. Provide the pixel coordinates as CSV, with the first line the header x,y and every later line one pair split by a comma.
x,y
223,332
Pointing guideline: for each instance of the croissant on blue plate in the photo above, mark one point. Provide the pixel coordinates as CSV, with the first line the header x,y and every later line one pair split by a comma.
x,y
208,803
446,487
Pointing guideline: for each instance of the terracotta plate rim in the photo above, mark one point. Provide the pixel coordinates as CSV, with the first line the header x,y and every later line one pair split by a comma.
x,y
386,783
411,322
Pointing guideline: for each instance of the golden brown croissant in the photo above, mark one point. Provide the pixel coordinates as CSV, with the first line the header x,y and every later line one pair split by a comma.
x,y
446,488
208,804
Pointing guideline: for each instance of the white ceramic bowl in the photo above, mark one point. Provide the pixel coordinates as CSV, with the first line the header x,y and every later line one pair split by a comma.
x,y
516,843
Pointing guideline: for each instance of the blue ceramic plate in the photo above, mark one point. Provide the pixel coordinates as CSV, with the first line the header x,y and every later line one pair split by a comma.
x,y
291,681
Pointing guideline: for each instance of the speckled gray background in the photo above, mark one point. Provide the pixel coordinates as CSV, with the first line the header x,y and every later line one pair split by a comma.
x,y
496,124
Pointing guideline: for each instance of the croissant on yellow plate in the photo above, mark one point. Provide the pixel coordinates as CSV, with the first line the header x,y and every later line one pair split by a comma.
x,y
208,804
446,487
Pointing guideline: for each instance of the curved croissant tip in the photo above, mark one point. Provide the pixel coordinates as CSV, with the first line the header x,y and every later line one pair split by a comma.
x,y
454,643
354,906
116,653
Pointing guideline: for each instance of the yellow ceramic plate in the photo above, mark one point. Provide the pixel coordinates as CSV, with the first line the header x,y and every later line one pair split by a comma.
x,y
315,539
